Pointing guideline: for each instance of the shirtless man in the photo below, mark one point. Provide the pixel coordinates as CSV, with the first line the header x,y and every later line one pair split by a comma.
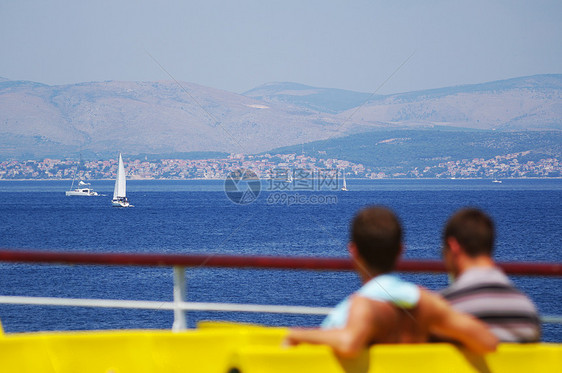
x,y
388,309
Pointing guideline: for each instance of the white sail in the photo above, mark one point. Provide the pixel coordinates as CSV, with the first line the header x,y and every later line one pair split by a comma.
x,y
344,187
120,189
289,177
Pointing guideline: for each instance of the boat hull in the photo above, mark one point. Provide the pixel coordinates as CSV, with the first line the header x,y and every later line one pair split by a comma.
x,y
120,203
82,193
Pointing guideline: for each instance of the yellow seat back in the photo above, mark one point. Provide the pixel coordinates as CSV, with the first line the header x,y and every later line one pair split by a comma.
x,y
221,348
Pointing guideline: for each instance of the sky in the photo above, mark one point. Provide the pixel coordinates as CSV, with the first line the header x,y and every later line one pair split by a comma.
x,y
367,46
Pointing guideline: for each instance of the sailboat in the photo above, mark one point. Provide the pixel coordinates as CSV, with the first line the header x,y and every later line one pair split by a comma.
x,y
289,178
344,187
120,190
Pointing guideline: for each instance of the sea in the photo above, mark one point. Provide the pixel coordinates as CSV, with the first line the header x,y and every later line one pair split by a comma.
x,y
199,217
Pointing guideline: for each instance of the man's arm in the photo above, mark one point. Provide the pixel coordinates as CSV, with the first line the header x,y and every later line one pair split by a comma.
x,y
363,326
446,322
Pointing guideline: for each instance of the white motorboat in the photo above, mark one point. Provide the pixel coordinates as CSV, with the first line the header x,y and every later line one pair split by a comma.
x,y
83,189
120,190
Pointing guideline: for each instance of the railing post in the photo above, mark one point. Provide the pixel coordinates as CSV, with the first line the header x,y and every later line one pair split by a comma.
x,y
180,321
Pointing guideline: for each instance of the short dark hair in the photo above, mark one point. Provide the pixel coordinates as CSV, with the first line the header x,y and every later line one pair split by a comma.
x,y
377,234
474,231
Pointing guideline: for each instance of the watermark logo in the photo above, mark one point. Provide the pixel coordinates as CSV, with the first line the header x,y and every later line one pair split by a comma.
x,y
242,186
303,179
283,186
291,199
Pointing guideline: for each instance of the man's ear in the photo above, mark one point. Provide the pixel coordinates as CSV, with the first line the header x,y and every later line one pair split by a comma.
x,y
454,245
352,248
358,262
355,256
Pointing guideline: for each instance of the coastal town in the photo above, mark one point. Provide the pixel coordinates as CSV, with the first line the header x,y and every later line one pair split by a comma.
x,y
516,165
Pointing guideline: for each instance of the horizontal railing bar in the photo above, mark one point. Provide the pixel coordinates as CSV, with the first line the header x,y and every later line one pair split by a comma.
x,y
272,262
186,306
175,260
156,305
551,319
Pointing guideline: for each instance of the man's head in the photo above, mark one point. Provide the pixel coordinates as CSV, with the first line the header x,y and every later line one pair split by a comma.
x,y
376,237
468,235
473,230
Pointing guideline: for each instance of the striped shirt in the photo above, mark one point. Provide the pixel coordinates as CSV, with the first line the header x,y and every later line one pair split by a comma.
x,y
489,295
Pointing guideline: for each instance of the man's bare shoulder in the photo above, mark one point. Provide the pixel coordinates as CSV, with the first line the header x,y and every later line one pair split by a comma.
x,y
390,323
373,311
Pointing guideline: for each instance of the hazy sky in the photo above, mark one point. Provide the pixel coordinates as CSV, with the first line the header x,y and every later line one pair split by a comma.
x,y
238,45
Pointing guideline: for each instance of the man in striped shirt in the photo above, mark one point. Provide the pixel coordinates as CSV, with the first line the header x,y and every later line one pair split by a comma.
x,y
480,287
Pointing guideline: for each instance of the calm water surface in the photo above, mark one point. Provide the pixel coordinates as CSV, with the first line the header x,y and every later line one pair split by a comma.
x,y
196,217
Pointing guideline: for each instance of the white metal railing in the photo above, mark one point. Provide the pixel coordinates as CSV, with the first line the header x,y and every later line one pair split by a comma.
x,y
180,306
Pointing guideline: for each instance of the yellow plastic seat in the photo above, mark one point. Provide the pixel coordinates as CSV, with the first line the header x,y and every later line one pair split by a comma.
x,y
227,347
419,358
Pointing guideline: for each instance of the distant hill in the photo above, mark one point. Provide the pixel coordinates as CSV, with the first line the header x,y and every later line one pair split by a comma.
x,y
325,100
533,102
421,148
100,118
144,117
528,103
187,155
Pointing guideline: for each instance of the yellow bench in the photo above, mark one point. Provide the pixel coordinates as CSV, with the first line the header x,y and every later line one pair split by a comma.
x,y
130,351
228,348
419,358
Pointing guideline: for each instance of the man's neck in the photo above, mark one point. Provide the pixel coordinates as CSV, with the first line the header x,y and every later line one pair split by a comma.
x,y
482,261
368,276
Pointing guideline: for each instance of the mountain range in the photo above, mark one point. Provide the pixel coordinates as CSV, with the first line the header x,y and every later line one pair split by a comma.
x,y
98,119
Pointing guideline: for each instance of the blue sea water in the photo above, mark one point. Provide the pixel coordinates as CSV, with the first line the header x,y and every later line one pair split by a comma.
x,y
196,217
